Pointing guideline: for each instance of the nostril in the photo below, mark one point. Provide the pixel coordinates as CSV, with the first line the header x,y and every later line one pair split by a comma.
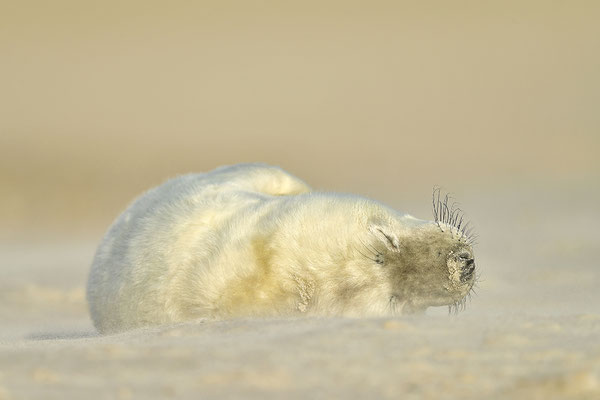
x,y
468,269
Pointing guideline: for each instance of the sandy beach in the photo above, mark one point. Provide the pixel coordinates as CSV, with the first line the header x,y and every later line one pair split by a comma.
x,y
531,332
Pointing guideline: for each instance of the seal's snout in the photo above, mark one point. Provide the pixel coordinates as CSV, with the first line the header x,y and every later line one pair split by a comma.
x,y
467,270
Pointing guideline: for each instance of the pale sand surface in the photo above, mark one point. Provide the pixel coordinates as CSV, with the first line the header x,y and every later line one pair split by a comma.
x,y
532,332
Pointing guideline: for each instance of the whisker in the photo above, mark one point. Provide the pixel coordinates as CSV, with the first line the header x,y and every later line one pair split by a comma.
x,y
460,222
370,248
365,256
435,203
446,211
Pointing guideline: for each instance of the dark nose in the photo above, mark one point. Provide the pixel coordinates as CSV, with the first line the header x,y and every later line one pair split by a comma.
x,y
467,271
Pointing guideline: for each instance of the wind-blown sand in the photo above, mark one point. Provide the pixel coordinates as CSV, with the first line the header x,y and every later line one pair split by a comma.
x,y
532,332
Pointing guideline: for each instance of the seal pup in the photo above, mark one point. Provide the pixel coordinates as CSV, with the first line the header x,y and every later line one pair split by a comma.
x,y
253,240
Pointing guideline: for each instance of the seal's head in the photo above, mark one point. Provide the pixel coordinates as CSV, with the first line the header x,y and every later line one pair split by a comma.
x,y
429,263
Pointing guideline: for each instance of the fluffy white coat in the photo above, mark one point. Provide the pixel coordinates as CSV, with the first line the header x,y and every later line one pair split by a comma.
x,y
245,240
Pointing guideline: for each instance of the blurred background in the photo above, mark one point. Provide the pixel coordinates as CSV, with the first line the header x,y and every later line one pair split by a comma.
x,y
496,102
100,101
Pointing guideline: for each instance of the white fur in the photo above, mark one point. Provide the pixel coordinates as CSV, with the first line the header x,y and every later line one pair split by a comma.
x,y
244,240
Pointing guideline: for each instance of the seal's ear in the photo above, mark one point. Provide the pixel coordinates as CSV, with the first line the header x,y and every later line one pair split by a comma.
x,y
384,233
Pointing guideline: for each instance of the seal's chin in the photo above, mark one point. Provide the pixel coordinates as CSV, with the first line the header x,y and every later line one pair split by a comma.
x,y
446,300
449,296
455,294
